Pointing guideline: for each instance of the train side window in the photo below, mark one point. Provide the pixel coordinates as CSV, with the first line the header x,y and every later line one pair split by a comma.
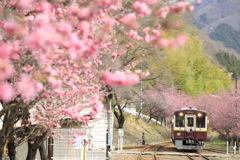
x,y
201,121
179,121
190,122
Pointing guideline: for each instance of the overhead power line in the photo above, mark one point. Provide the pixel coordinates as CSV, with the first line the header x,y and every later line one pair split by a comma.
x,y
202,76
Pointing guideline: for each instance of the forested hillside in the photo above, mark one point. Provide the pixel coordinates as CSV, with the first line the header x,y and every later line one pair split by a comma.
x,y
229,36
219,19
229,61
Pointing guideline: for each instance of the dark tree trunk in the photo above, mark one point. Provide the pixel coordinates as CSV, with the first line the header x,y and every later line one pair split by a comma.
x,y
11,113
11,149
7,127
120,118
2,143
50,148
165,121
156,120
32,150
38,144
121,121
42,151
149,119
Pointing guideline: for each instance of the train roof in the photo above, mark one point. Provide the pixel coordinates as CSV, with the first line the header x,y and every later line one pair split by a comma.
x,y
190,109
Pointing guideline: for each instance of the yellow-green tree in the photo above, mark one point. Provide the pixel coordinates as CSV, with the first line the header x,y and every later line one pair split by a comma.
x,y
192,71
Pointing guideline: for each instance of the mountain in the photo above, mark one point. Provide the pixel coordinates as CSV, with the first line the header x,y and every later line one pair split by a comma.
x,y
229,36
218,21
211,13
219,28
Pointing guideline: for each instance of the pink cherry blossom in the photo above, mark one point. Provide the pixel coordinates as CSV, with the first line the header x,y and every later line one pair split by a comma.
x,y
25,3
150,2
142,8
130,20
163,42
84,27
10,27
27,87
191,8
5,51
97,106
6,69
199,1
181,39
180,7
6,92
54,83
109,23
114,55
121,80
163,12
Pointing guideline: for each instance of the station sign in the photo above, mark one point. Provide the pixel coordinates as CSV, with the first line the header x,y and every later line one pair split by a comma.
x,y
120,132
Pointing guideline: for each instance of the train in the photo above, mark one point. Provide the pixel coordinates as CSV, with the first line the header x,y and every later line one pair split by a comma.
x,y
189,129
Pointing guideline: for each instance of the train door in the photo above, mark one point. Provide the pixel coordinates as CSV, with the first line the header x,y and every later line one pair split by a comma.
x,y
190,126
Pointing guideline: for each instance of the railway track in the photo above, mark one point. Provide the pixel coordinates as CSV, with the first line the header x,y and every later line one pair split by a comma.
x,y
158,151
215,150
198,156
153,149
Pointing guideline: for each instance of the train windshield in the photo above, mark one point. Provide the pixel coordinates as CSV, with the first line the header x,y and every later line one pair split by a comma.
x,y
179,119
201,120
190,121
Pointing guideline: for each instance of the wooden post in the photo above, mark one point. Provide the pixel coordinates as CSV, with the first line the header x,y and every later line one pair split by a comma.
x,y
82,152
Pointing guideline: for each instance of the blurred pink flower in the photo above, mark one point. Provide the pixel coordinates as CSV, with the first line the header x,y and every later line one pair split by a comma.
x,y
97,105
130,20
150,2
181,39
109,23
10,27
163,12
5,51
6,69
54,83
28,88
24,3
6,92
142,8
119,79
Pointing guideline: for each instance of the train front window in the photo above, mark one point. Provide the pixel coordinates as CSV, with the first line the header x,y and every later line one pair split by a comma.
x,y
190,122
201,120
179,120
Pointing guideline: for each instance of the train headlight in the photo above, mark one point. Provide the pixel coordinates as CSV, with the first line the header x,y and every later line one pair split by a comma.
x,y
199,114
180,114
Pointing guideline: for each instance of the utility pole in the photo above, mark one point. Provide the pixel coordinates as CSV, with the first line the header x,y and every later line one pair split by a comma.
x,y
236,94
140,111
236,79
109,118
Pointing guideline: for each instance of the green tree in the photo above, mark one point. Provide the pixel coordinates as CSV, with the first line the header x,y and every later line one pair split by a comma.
x,y
192,71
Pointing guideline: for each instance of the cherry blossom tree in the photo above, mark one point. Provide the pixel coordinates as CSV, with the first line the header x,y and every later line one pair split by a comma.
x,y
50,56
154,103
161,102
223,112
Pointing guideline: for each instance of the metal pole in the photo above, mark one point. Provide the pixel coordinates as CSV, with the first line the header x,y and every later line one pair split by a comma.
x,y
109,123
121,139
107,144
235,147
227,147
118,144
